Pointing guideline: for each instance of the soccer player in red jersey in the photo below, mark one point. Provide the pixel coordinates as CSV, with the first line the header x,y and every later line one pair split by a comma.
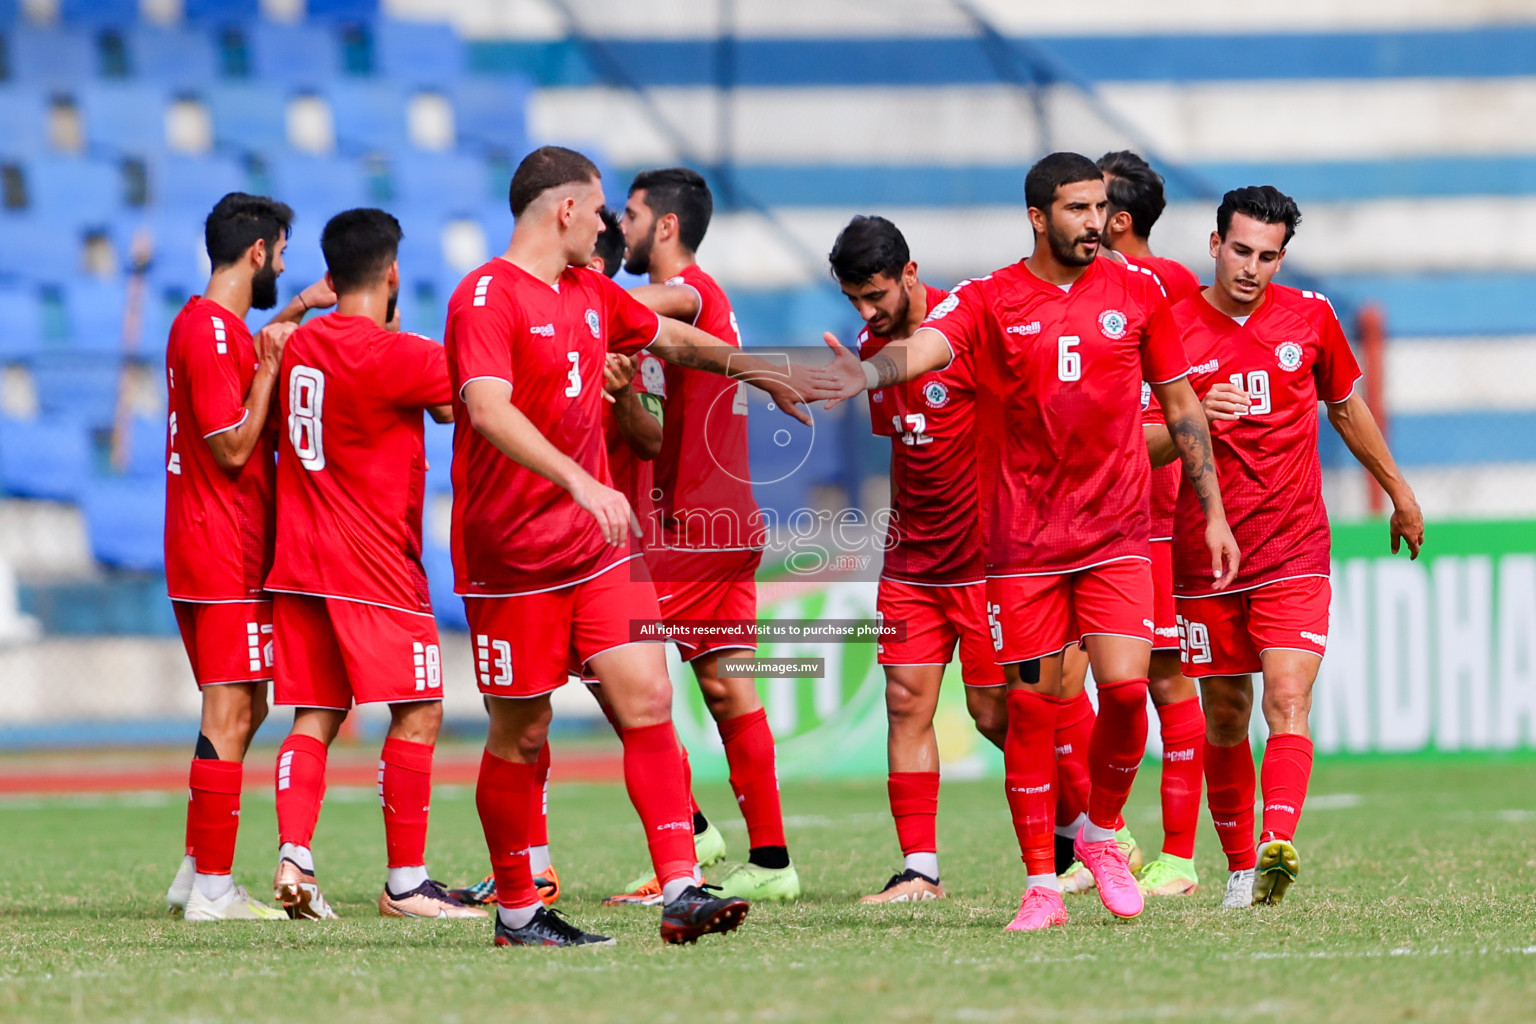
x,y
218,526
933,581
542,546
1064,340
1136,202
352,618
711,535
1264,355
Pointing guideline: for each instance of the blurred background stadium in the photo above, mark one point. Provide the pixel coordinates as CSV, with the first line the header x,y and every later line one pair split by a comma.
x,y
1403,128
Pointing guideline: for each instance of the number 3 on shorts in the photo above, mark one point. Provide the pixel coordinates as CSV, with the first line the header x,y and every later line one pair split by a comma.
x,y
493,661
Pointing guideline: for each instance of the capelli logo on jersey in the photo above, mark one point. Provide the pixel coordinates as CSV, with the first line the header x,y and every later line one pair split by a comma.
x,y
543,330
1113,323
594,324
877,396
1033,327
1210,367
1289,355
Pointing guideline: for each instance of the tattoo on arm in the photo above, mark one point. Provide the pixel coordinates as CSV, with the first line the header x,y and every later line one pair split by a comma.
x,y
886,370
1193,440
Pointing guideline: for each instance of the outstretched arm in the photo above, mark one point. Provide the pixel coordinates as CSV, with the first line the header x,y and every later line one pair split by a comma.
x,y
1353,420
846,375
505,426
1185,418
683,345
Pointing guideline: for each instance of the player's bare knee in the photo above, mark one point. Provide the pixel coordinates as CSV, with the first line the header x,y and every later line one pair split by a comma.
x,y
902,704
989,710
1286,702
416,722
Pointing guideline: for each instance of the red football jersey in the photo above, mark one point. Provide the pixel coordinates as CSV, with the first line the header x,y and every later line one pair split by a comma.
x,y
1179,283
935,532
1061,458
703,473
351,476
515,532
1289,355
633,476
218,525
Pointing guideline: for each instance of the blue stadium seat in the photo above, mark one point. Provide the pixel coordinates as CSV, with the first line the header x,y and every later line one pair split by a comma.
x,y
182,57
370,116
21,323
47,457
293,55
303,262
23,121
318,187
248,116
491,112
99,12
93,311
341,10
439,439
122,117
180,257
80,386
125,520
220,12
146,448
417,54
38,249
74,191
53,57
439,183
190,185
421,251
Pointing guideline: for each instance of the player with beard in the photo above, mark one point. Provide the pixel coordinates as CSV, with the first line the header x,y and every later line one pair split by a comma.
x,y
933,582
1136,201
1264,355
219,526
711,536
1065,340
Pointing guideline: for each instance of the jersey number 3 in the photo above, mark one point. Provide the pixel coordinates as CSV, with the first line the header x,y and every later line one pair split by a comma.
x,y
306,402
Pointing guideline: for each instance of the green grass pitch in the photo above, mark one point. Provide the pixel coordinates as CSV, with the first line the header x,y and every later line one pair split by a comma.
x,y
1417,901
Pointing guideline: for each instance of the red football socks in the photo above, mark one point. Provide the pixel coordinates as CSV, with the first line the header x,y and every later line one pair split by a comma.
x,y
754,777
915,806
1229,788
1114,753
300,788
213,815
504,797
539,834
1030,768
405,793
1074,728
1287,769
653,774
613,720
1183,730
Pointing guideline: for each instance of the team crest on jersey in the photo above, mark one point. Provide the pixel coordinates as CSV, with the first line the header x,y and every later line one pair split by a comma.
x,y
1289,355
935,394
1146,394
1113,323
594,324
943,309
653,376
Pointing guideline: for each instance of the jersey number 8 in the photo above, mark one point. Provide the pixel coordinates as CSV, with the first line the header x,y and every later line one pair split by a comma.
x,y
306,401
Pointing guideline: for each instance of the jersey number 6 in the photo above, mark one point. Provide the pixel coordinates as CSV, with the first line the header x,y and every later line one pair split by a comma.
x,y
1069,362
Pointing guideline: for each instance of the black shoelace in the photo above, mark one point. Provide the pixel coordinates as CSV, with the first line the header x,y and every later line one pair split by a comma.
x,y
435,889
555,923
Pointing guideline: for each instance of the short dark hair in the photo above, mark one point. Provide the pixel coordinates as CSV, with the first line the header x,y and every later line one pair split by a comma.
x,y
359,246
866,247
1133,186
680,191
1264,203
239,221
1052,172
545,168
610,244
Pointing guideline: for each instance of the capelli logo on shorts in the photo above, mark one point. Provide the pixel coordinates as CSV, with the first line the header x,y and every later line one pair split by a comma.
x,y
1321,639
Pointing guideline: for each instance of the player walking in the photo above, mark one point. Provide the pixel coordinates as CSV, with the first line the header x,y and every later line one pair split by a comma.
x,y
218,527
1264,355
933,581
352,616
1066,340
711,530
541,544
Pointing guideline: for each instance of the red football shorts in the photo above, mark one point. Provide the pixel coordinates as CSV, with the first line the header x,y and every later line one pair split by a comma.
x,y
937,618
708,587
529,644
227,643
1224,634
332,653
1165,619
1035,616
